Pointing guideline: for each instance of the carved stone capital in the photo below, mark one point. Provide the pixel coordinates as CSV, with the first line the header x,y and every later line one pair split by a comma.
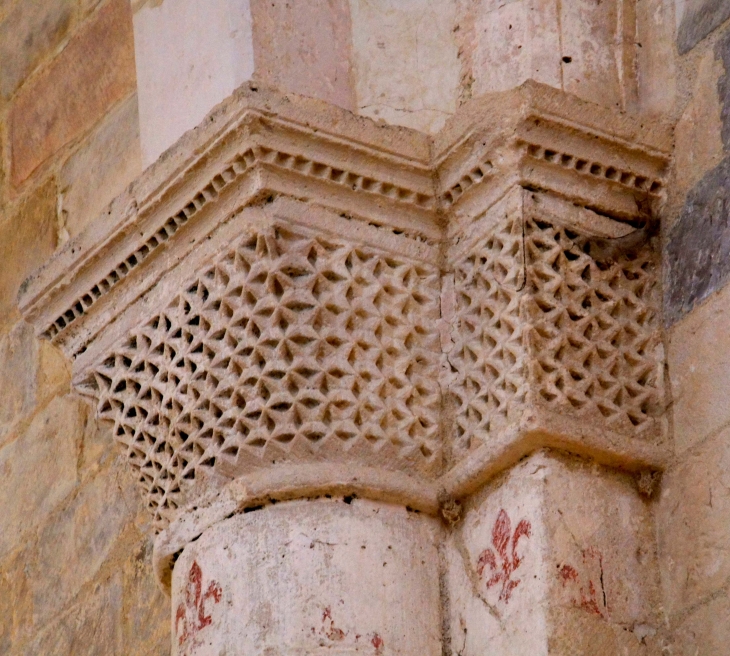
x,y
295,301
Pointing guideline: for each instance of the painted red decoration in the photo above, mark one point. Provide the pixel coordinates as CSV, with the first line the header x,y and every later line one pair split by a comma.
x,y
585,595
191,613
504,559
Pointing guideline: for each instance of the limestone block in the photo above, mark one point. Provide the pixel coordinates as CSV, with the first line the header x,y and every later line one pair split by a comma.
x,y
693,516
28,34
18,367
655,59
699,371
583,47
592,36
305,48
560,546
101,168
27,239
40,468
405,61
98,63
513,42
322,576
497,568
186,65
84,533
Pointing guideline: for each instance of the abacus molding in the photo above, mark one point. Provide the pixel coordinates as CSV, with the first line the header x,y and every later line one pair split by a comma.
x,y
293,293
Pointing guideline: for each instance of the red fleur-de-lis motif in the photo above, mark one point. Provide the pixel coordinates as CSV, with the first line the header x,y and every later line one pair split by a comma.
x,y
191,613
504,559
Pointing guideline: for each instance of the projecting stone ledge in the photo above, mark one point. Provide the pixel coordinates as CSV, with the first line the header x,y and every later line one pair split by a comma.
x,y
295,301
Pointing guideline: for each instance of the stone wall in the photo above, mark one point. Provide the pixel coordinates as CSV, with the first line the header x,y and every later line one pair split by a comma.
x,y
75,540
692,512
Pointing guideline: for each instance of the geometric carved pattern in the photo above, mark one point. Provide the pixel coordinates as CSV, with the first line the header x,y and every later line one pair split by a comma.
x,y
287,347
488,356
539,320
594,329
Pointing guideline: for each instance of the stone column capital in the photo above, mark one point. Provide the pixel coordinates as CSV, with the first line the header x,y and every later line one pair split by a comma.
x,y
295,301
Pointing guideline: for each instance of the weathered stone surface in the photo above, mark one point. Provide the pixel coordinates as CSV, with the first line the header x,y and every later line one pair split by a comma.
x,y
405,63
693,516
562,547
305,48
39,467
311,576
98,64
148,610
591,37
699,371
700,18
722,55
92,627
18,367
28,34
101,168
697,251
705,630
698,142
16,601
27,239
514,41
186,65
656,69
498,576
84,532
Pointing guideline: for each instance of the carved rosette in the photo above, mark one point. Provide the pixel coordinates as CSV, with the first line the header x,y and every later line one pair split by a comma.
x,y
295,289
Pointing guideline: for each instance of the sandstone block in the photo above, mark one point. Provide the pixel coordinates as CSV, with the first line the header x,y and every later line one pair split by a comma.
x,y
699,370
39,467
83,533
405,63
98,64
16,602
693,516
102,167
697,251
699,18
147,617
30,33
27,239
699,146
92,627
305,48
18,366
559,546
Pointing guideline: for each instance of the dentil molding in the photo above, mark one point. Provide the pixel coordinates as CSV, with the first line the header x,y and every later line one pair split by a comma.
x,y
297,301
